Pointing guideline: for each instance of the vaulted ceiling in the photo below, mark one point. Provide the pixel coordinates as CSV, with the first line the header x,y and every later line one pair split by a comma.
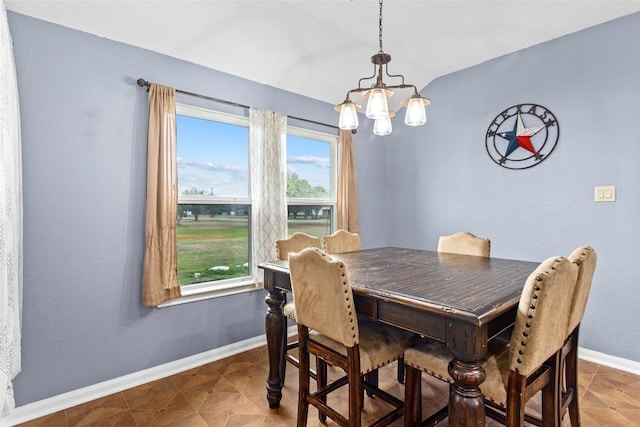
x,y
321,48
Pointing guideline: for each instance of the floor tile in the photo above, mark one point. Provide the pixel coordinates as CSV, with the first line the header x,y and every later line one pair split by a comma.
x,y
231,392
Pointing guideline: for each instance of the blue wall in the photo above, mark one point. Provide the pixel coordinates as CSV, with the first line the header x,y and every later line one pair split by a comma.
x,y
440,179
84,166
84,147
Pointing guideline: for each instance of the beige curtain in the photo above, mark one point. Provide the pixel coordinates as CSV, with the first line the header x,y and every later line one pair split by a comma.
x,y
267,133
160,277
347,186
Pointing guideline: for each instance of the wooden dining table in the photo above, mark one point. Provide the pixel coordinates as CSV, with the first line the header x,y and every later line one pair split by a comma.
x,y
461,300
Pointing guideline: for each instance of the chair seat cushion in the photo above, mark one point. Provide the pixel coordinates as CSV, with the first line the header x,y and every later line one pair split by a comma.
x,y
289,310
433,358
379,344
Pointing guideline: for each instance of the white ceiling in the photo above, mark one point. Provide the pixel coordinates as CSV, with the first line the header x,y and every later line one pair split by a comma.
x,y
321,48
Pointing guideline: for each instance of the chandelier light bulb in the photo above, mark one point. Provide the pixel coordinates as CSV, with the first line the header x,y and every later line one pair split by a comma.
x,y
416,114
377,106
382,126
348,116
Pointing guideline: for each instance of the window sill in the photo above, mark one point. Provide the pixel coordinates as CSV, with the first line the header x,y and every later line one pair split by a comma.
x,y
213,291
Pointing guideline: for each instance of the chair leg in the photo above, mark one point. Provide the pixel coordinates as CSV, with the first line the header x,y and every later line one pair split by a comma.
x,y
303,386
355,387
552,392
515,400
371,378
401,370
321,369
572,383
412,397
283,362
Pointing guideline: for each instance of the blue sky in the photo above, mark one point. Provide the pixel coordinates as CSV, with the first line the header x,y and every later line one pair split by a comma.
x,y
213,156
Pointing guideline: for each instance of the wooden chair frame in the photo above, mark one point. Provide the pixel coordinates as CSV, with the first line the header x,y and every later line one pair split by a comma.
x,y
353,378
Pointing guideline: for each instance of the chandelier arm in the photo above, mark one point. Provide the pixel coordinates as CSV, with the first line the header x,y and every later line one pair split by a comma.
x,y
357,90
386,71
373,76
400,86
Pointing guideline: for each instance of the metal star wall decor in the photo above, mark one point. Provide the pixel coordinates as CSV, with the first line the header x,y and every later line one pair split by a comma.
x,y
522,136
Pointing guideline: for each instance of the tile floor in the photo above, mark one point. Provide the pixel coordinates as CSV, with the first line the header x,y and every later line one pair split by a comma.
x,y
231,392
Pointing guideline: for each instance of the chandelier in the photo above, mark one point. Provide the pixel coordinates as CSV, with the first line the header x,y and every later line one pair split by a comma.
x,y
377,95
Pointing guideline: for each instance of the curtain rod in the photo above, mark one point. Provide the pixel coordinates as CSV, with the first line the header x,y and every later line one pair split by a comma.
x,y
144,83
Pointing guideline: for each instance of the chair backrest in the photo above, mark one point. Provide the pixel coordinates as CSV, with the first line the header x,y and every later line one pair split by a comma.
x,y
464,243
342,241
543,314
585,258
322,291
295,243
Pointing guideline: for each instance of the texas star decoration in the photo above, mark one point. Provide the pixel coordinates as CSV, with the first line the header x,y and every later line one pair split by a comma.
x,y
508,128
520,136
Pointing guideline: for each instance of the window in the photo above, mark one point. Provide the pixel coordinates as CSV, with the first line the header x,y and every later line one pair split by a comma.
x,y
213,226
311,182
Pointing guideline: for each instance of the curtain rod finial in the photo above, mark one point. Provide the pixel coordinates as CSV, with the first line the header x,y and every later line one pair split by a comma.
x,y
142,82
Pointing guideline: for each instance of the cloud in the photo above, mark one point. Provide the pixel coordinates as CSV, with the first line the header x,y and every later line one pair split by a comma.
x,y
233,171
321,162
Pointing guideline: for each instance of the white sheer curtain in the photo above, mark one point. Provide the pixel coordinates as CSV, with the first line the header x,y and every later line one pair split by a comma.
x,y
10,219
267,132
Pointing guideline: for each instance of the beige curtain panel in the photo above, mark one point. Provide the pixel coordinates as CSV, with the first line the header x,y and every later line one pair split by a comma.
x,y
347,203
160,277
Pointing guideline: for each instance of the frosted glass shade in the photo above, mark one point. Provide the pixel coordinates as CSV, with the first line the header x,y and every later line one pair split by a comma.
x,y
377,104
348,116
382,126
416,114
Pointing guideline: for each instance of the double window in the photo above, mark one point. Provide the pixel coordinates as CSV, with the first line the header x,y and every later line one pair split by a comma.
x,y
213,225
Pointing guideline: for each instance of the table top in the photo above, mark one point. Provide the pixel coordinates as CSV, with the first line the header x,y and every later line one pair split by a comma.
x,y
476,288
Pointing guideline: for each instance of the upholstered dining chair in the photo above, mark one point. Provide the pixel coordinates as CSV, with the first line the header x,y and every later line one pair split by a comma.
x,y
464,243
585,258
294,243
342,241
329,328
517,371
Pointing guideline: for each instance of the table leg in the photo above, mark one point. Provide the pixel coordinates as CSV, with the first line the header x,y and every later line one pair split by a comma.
x,y
275,330
466,407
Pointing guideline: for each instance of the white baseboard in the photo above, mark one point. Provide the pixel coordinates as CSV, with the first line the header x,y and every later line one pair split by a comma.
x,y
63,401
610,361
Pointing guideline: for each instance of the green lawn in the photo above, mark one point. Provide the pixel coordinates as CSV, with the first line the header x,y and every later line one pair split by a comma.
x,y
222,241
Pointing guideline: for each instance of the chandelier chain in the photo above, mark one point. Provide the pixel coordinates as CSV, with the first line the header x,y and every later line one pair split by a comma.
x,y
380,26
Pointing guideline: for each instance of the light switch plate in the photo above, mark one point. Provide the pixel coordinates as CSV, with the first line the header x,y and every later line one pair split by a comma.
x,y
604,193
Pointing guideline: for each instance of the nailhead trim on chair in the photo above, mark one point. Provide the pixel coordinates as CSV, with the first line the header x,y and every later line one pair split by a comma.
x,y
431,373
382,364
531,313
